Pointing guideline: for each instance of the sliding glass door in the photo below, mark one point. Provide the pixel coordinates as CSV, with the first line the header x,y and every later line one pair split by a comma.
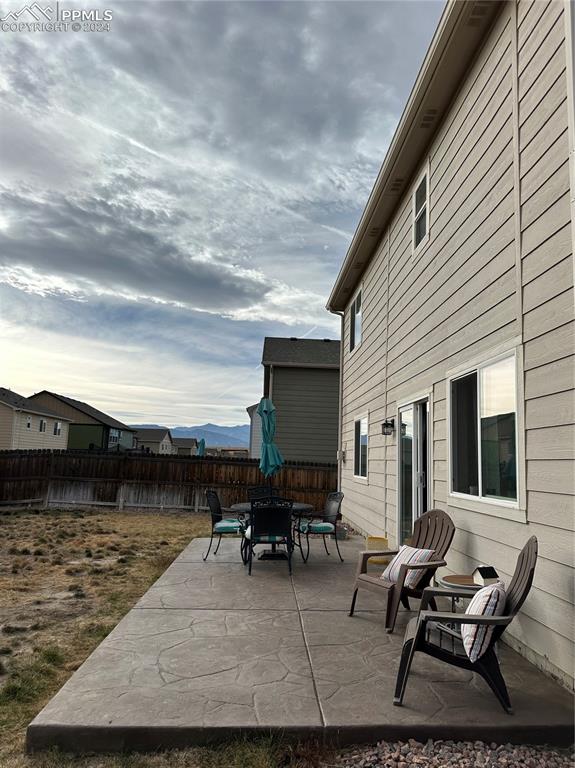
x,y
413,463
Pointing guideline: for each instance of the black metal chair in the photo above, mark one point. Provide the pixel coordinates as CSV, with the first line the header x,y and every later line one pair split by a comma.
x,y
260,492
425,632
221,525
270,523
324,524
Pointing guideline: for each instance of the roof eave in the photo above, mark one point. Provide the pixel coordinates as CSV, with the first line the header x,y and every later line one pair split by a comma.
x,y
459,34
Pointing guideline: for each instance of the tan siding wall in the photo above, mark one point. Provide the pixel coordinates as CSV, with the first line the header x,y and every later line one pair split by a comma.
x,y
497,273
6,427
56,405
307,401
33,439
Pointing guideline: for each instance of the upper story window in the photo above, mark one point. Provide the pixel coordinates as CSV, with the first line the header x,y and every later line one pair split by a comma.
x,y
42,425
57,427
114,436
360,447
355,322
28,422
420,211
483,432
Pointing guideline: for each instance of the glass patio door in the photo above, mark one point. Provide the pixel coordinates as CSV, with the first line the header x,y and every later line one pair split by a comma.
x,y
413,465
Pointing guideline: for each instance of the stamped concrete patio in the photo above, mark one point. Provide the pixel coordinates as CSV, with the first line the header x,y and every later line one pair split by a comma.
x,y
209,653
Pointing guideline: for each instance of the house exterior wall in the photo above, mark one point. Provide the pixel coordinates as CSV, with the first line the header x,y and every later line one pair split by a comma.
x,y
495,275
32,439
306,401
255,450
6,427
85,435
46,400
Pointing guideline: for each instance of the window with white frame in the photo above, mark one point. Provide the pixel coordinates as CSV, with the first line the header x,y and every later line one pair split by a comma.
x,y
484,431
114,436
355,322
57,428
42,425
420,211
360,447
28,422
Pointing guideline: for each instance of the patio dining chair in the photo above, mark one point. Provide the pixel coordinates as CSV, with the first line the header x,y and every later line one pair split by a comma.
x,y
434,531
270,523
220,525
425,632
324,524
259,492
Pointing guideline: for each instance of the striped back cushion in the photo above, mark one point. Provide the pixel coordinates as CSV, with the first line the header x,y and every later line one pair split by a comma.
x,y
489,601
408,555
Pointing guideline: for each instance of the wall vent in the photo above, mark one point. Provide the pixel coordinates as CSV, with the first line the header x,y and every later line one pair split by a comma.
x,y
479,10
396,185
429,117
374,232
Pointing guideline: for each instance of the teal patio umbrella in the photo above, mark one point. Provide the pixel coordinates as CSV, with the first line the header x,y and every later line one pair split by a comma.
x,y
271,459
201,447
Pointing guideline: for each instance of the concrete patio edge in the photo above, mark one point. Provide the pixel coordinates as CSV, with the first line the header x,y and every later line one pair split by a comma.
x,y
85,739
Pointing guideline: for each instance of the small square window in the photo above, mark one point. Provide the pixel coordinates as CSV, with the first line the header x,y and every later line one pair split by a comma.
x,y
57,428
28,422
355,322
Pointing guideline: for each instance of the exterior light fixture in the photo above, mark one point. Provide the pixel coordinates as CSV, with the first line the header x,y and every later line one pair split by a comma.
x,y
388,427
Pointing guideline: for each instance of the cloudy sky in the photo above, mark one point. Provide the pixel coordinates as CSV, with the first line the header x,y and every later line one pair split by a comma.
x,y
176,189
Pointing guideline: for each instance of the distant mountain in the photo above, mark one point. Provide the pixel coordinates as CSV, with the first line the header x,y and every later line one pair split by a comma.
x,y
233,437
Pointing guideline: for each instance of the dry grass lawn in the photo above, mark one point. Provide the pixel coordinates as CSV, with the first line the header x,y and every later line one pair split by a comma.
x,y
67,576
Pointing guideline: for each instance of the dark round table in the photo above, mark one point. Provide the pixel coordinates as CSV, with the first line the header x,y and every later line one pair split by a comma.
x,y
245,507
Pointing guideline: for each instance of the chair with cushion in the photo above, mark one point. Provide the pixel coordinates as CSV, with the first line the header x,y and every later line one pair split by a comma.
x,y
472,646
324,525
412,568
221,525
270,523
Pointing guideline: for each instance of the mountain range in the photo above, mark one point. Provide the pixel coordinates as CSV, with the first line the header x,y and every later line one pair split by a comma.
x,y
232,437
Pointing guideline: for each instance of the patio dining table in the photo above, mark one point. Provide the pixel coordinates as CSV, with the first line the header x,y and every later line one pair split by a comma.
x,y
298,508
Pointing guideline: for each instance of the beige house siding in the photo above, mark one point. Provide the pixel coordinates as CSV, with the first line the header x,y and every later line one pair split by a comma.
x,y
58,406
6,427
495,275
32,439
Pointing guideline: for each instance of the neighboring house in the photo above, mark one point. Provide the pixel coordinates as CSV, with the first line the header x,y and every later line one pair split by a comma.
x,y
301,376
231,452
255,449
458,331
91,428
156,440
185,446
26,425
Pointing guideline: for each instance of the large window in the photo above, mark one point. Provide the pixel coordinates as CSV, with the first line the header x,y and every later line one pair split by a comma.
x,y
355,322
483,429
420,211
360,448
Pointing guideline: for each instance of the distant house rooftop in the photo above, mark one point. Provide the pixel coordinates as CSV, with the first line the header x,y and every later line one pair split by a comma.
x,y
185,442
316,353
20,403
151,435
89,410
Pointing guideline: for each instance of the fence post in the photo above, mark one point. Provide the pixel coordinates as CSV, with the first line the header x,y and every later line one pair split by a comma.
x,y
120,494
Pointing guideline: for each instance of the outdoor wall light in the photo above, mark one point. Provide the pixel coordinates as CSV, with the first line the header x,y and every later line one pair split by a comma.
x,y
388,427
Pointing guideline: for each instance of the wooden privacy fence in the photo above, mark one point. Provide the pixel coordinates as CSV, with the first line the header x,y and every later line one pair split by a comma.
x,y
129,480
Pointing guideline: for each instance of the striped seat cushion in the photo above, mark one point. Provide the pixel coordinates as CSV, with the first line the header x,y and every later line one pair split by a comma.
x,y
408,555
264,539
489,601
227,526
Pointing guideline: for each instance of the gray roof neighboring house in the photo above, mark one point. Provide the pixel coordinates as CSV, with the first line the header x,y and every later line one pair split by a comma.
x,y
152,435
315,353
89,410
185,442
20,403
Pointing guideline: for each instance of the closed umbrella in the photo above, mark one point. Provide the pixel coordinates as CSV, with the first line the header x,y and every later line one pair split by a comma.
x,y
201,447
271,459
